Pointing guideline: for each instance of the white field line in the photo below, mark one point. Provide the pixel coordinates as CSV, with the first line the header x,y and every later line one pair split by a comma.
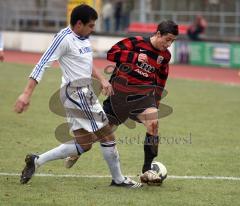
x,y
107,176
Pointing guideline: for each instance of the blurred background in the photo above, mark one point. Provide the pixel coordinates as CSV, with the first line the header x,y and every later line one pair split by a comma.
x,y
209,27
50,15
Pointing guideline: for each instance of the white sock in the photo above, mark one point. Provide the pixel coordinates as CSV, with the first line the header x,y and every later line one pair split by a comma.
x,y
67,149
111,156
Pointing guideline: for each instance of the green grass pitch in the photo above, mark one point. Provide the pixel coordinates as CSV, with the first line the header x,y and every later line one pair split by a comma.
x,y
200,138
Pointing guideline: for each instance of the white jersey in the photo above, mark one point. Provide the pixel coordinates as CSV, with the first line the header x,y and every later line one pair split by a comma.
x,y
74,54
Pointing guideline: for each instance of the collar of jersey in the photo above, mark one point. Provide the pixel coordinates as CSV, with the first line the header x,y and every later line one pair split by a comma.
x,y
79,37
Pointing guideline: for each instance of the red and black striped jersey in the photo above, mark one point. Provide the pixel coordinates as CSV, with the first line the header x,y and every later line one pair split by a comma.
x,y
125,54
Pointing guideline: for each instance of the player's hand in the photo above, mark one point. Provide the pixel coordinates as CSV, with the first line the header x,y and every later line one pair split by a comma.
x,y
22,103
107,89
142,58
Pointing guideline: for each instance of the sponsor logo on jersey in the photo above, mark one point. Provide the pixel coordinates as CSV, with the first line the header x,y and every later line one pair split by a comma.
x,y
141,72
160,59
84,50
146,67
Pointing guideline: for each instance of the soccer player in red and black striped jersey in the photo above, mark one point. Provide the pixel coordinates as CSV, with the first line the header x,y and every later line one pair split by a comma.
x,y
138,80
142,66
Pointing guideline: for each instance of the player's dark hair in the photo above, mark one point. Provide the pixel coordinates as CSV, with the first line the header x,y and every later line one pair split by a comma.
x,y
84,13
168,26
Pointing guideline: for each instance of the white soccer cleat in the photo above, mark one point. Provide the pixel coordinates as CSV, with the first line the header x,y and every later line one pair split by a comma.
x,y
70,161
150,177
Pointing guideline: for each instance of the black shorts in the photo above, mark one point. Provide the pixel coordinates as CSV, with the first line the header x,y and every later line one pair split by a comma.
x,y
119,109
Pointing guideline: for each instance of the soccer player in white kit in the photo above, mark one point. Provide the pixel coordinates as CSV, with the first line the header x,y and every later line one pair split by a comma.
x,y
86,118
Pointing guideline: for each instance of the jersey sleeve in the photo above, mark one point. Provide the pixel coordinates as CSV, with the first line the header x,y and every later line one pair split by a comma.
x,y
123,51
57,49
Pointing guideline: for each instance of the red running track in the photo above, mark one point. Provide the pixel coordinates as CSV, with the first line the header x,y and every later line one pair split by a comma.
x,y
219,75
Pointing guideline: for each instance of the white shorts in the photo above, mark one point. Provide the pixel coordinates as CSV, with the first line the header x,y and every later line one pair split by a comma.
x,y
83,109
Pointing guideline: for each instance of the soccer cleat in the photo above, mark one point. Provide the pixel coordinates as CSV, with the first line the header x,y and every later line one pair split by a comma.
x,y
127,183
29,168
150,177
70,161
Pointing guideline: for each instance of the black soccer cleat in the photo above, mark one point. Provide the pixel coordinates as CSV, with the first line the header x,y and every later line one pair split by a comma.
x,y
127,183
29,168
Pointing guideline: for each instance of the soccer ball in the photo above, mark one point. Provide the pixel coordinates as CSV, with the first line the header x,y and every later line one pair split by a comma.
x,y
160,169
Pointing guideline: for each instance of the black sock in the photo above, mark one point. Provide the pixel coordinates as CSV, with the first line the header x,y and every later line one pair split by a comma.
x,y
150,151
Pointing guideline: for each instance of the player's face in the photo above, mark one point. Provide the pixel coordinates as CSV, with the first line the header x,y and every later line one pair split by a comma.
x,y
164,41
85,29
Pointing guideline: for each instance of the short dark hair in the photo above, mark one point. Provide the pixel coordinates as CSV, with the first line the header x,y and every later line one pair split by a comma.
x,y
84,13
168,26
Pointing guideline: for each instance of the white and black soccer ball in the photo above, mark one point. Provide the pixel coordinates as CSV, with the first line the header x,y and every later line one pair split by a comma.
x,y
160,169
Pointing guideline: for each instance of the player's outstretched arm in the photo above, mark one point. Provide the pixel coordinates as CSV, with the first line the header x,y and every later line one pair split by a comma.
x,y
23,100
